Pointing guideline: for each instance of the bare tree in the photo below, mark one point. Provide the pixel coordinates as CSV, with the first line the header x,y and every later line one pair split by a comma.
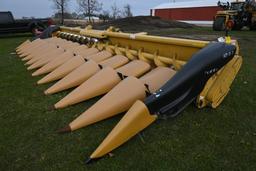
x,y
61,7
89,7
116,13
127,12
105,16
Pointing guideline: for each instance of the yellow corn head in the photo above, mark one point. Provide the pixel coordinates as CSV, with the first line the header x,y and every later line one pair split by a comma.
x,y
148,76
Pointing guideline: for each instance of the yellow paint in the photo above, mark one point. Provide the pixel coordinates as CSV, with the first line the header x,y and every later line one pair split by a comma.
x,y
55,63
100,56
99,84
109,55
68,66
22,52
219,84
115,62
62,70
130,89
111,104
58,60
41,62
228,39
131,44
75,78
154,50
33,50
41,54
135,120
27,42
102,82
156,78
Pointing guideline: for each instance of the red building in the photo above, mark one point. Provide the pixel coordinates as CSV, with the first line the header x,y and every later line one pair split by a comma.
x,y
195,12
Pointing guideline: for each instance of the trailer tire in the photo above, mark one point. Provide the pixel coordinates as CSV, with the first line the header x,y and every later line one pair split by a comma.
x,y
253,26
219,24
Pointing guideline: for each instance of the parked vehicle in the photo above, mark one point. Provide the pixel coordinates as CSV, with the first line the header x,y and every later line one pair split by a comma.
x,y
236,15
10,25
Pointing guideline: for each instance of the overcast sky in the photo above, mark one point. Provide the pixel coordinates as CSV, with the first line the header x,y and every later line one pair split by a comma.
x,y
44,8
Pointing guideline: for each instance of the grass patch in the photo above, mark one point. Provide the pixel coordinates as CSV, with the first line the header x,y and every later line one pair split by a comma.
x,y
207,139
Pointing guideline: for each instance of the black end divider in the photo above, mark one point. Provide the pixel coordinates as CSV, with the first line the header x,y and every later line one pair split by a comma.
x,y
186,85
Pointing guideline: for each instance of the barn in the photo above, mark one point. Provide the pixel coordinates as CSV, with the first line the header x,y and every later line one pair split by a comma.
x,y
195,11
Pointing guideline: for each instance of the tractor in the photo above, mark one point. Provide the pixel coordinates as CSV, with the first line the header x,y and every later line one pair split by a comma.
x,y
235,15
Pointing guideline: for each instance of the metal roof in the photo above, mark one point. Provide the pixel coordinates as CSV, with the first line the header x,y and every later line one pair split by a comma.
x,y
189,4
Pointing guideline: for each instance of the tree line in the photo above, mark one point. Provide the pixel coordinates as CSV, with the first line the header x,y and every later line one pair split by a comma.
x,y
89,9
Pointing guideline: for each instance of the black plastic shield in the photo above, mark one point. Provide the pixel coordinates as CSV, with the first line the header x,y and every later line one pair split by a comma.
x,y
187,84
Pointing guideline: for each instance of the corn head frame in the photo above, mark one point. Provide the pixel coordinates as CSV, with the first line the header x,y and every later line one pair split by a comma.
x,y
149,77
